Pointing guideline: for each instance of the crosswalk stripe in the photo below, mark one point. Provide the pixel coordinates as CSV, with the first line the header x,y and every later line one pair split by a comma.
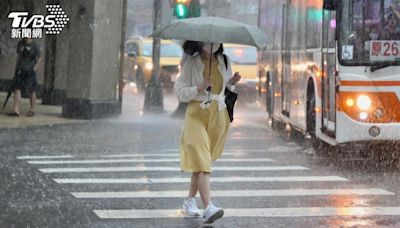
x,y
248,137
158,155
257,212
277,149
142,168
280,149
44,157
233,193
226,150
139,155
187,180
48,162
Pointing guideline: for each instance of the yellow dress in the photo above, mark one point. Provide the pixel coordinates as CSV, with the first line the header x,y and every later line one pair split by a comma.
x,y
205,130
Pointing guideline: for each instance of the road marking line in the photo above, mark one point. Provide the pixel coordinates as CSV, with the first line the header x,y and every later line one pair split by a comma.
x,y
139,155
257,212
233,193
276,149
142,168
187,180
158,155
227,150
48,162
280,149
233,137
44,157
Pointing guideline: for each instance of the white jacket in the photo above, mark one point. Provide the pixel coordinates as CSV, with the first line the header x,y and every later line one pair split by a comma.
x,y
192,75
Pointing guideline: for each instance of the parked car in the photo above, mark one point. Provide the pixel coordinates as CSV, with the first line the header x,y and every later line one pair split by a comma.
x,y
244,60
139,64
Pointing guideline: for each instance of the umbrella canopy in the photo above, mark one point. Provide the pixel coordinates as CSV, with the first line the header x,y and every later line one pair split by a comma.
x,y
213,30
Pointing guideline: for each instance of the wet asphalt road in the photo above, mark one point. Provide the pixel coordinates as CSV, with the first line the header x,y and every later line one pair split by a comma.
x,y
293,187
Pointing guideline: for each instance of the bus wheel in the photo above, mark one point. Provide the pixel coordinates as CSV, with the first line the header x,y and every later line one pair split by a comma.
x,y
311,115
277,125
316,143
321,148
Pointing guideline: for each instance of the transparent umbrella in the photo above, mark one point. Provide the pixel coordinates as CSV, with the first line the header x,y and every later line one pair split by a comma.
x,y
212,30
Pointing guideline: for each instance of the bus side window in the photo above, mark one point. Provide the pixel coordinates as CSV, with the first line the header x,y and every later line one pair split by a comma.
x,y
329,34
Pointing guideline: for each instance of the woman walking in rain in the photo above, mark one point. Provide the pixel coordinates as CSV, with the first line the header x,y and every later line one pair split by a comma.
x,y
206,73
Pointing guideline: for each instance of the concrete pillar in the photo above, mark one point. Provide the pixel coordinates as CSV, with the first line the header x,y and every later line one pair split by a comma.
x,y
57,50
94,59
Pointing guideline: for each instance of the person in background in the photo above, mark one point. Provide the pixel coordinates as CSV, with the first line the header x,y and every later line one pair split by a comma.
x,y
394,9
390,30
29,58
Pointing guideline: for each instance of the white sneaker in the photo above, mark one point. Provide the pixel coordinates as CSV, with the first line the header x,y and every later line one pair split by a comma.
x,y
190,207
212,213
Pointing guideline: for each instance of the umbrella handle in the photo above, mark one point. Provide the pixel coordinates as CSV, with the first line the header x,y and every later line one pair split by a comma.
x,y
209,68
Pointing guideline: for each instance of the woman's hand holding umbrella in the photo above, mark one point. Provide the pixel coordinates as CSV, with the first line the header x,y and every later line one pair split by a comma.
x,y
206,84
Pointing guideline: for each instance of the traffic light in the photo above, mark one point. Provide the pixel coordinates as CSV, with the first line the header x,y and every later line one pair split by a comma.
x,y
181,9
186,8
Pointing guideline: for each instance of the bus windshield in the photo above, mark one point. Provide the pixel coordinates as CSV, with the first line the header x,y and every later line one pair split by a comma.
x,y
242,55
166,50
370,32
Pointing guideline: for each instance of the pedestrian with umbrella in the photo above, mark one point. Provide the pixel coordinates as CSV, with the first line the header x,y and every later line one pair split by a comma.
x,y
205,78
206,121
29,58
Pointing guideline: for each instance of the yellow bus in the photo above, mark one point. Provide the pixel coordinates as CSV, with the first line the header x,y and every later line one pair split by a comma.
x,y
244,60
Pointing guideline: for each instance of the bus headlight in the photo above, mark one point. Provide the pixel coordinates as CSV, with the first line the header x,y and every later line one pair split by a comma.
x,y
364,102
350,102
149,66
363,116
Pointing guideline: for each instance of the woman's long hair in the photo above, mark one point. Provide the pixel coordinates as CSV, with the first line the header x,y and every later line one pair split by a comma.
x,y
193,48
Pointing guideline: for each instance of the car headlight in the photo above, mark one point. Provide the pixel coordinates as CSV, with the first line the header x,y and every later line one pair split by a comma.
x,y
264,79
364,102
149,66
